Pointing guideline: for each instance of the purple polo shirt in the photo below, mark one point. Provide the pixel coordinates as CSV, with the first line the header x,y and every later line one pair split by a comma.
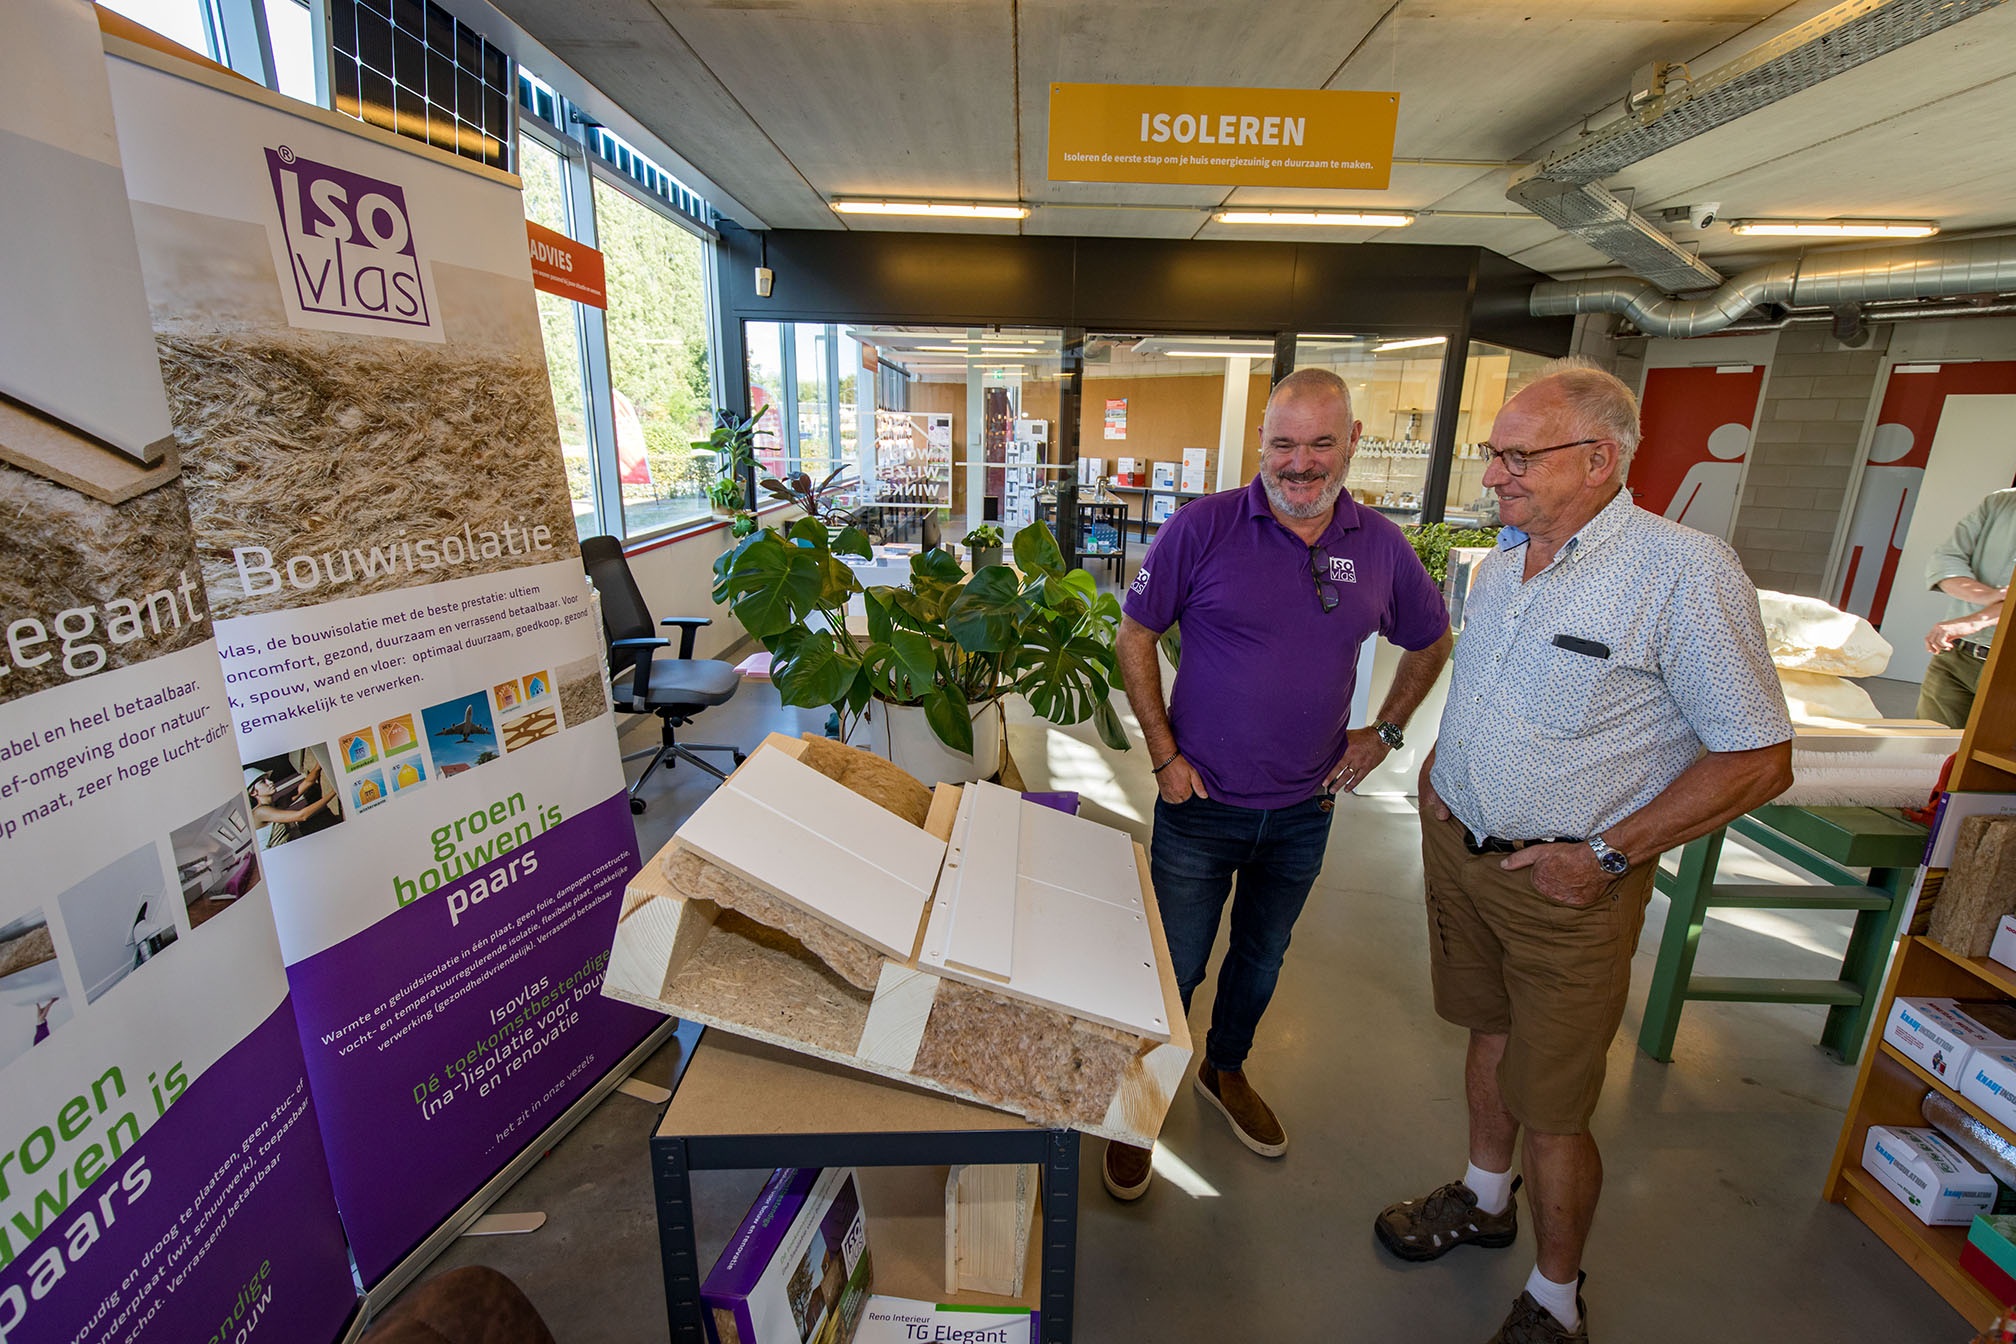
x,y
1263,693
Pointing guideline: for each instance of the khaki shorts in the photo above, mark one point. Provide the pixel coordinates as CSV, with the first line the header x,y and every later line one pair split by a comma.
x,y
1551,977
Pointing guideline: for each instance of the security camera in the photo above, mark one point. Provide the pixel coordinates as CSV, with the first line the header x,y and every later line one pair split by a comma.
x,y
1702,215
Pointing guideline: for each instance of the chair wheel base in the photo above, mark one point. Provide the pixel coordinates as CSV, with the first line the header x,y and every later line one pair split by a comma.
x,y
636,807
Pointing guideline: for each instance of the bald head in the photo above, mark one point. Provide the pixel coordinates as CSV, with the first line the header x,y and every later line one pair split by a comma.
x,y
1311,386
1590,402
1306,441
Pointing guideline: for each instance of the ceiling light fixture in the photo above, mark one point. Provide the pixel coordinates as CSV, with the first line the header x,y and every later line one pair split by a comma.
x,y
1331,217
1835,228
1214,354
1408,344
939,209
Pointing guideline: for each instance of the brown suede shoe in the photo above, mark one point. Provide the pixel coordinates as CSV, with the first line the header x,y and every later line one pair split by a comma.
x,y
1531,1323
1127,1170
1251,1120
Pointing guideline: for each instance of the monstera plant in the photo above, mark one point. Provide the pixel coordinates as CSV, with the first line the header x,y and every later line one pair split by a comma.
x,y
949,643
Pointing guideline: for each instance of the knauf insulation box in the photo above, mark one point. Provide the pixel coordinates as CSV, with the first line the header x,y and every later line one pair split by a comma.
x,y
797,1271
1990,1083
1939,1035
1933,1179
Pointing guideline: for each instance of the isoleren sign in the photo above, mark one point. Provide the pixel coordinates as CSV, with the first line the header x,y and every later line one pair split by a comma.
x,y
1222,137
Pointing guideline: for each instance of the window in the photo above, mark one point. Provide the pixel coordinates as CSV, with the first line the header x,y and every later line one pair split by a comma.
x,y
543,172
815,411
764,342
1395,383
291,34
421,73
1490,377
184,21
660,374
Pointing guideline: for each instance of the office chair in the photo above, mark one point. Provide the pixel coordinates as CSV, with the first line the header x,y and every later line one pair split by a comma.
x,y
675,689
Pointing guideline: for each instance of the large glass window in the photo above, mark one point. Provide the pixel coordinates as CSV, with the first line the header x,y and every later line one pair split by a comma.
x,y
543,173
291,33
1490,377
1395,383
183,21
764,343
659,373
816,413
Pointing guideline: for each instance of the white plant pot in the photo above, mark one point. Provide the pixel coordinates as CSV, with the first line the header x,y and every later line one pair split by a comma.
x,y
900,735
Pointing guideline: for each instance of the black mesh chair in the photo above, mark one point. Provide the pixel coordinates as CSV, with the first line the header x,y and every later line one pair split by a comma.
x,y
675,689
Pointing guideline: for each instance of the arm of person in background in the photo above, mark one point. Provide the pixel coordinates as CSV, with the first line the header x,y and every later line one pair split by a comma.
x,y
1950,567
1141,674
1363,747
1941,636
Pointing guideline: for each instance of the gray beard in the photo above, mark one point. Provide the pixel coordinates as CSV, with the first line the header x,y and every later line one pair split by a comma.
x,y
1315,509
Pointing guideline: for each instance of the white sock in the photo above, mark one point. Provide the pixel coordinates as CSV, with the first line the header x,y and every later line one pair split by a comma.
x,y
1557,1298
1492,1188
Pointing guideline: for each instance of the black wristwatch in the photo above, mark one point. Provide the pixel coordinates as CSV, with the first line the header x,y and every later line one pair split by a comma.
x,y
1390,734
1611,861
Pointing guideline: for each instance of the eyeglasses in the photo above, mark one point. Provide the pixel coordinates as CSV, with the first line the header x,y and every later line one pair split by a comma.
x,y
1325,593
1516,460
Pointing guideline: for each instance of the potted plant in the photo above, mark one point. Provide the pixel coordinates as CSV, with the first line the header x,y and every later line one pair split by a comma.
x,y
733,444
983,543
942,652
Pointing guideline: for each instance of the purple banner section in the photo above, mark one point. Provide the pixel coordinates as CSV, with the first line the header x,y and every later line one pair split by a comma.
x,y
219,1220
447,1035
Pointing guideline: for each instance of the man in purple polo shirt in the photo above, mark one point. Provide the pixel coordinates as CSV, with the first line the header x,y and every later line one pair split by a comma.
x,y
1277,587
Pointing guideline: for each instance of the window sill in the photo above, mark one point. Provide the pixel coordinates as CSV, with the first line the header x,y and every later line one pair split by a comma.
x,y
687,531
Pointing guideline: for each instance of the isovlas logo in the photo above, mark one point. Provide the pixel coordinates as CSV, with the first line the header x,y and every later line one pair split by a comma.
x,y
349,241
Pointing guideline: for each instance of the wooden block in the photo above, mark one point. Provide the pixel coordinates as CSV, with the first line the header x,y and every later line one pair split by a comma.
x,y
1151,1082
988,1210
1980,886
35,443
896,1019
813,842
655,934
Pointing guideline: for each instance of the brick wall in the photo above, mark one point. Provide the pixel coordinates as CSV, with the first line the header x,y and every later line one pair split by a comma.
x,y
1803,455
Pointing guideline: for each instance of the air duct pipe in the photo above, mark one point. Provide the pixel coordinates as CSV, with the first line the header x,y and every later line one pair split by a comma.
x,y
1826,280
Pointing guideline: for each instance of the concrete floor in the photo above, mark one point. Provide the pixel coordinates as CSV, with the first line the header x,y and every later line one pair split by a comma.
x,y
1712,1224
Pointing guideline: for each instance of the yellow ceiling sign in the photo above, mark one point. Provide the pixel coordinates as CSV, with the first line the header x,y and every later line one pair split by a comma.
x,y
1222,137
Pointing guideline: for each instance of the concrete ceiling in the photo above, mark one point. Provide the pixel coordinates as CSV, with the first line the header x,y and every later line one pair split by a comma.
x,y
790,103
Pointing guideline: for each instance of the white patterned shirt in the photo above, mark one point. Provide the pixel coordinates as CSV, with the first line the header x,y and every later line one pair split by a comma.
x,y
1538,739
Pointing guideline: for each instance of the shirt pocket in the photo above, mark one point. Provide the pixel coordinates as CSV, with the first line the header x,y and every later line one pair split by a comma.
x,y
1575,693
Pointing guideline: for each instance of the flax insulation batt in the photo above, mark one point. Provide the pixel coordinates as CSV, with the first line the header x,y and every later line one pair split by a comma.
x,y
317,443
61,549
759,978
1052,1068
867,774
30,949
583,697
696,878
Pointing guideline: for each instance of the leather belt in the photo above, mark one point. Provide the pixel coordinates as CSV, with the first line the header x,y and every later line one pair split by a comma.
x,y
1978,652
1492,844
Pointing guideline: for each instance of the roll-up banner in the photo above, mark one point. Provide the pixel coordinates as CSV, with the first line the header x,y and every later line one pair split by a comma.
x,y
161,1171
351,348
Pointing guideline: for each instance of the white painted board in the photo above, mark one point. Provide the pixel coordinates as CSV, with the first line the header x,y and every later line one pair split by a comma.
x,y
1079,940
814,842
1973,453
980,865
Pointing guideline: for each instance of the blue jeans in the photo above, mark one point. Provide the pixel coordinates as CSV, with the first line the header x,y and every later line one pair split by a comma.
x,y
1199,846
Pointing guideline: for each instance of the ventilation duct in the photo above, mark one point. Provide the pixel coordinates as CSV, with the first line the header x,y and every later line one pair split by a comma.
x,y
1561,187
1827,280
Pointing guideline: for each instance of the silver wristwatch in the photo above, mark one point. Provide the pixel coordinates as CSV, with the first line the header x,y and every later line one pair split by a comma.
x,y
1390,734
1611,861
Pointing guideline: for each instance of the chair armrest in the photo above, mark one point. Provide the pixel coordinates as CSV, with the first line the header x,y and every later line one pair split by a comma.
x,y
688,626
634,656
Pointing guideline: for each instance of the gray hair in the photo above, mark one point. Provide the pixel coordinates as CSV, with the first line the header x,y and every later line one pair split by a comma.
x,y
1601,404
1311,381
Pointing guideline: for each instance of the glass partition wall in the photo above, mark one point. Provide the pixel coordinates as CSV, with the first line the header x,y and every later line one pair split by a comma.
x,y
1395,384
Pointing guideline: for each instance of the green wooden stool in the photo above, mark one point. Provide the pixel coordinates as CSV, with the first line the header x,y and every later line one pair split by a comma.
x,y
1823,841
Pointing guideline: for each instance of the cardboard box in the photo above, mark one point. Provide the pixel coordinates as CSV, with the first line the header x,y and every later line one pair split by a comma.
x,y
902,1320
2003,949
1994,1236
1990,1083
1165,475
1934,1179
1988,1274
1196,465
1939,1035
797,1271
1161,509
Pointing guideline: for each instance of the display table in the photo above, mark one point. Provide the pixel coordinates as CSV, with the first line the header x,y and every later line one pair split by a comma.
x,y
741,1104
1091,512
1823,841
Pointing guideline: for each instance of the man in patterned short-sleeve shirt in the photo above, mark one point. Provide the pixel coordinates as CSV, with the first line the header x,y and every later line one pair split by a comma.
x,y
1612,697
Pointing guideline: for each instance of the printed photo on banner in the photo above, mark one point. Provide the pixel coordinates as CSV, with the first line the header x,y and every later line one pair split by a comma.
x,y
34,1001
461,734
368,790
118,919
216,859
292,795
584,692
398,735
533,726
357,750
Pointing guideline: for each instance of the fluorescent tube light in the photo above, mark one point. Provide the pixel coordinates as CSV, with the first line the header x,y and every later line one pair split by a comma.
x,y
1835,228
1408,344
1383,221
939,209
1214,354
